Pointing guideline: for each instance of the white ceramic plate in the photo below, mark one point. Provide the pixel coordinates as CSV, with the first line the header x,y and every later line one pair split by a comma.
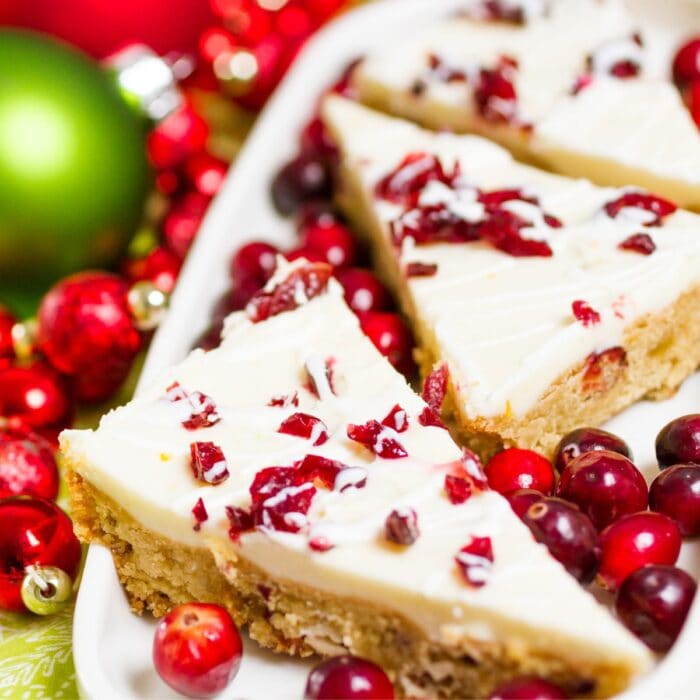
x,y
112,647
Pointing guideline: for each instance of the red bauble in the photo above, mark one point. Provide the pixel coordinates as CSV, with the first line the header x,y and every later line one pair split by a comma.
x,y
32,531
161,267
27,465
7,320
35,397
100,28
86,331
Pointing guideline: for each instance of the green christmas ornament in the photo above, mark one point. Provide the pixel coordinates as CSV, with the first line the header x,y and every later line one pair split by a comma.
x,y
73,168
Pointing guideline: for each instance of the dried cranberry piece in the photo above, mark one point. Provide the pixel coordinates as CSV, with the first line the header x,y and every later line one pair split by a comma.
x,y
440,70
401,526
305,426
475,560
581,83
240,521
286,510
320,544
378,438
203,413
419,269
318,470
396,419
427,417
511,12
405,182
200,514
585,313
432,224
458,490
470,467
495,94
610,58
641,243
494,199
657,207
208,462
284,401
502,230
602,369
320,377
302,285
269,481
435,387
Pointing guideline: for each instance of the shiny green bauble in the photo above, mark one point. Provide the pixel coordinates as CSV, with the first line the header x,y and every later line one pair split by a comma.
x,y
73,169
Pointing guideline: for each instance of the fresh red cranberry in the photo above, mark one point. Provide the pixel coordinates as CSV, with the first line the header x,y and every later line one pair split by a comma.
x,y
7,320
521,499
316,139
197,649
686,63
641,243
177,137
302,284
302,252
27,465
676,493
528,688
305,178
182,222
32,531
161,267
206,173
605,485
333,242
568,534
693,100
253,264
653,603
583,440
515,468
634,541
678,442
391,337
348,677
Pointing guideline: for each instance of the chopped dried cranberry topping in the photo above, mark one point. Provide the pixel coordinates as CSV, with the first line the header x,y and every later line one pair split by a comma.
x,y
585,313
458,490
657,207
475,560
602,369
320,377
208,462
502,230
378,438
305,426
428,417
419,269
401,526
581,83
494,199
641,243
240,521
202,409
440,70
617,57
510,11
200,514
470,467
495,95
320,544
435,387
396,419
279,502
318,470
284,401
302,285
416,170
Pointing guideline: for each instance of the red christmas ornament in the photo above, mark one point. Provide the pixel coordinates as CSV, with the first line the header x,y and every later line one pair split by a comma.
x,y
87,332
27,465
182,222
34,397
7,320
161,266
101,28
32,531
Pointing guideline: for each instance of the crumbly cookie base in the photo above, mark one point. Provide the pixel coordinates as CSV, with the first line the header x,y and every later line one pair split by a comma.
x,y
662,349
158,573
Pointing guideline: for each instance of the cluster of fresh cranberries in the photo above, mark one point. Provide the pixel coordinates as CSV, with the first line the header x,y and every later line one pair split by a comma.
x,y
303,189
595,519
686,74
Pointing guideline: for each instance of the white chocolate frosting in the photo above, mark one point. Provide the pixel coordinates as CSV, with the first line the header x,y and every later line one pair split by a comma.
x,y
139,455
505,324
614,131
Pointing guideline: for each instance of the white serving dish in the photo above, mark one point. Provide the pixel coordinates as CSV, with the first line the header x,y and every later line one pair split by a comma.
x,y
112,647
